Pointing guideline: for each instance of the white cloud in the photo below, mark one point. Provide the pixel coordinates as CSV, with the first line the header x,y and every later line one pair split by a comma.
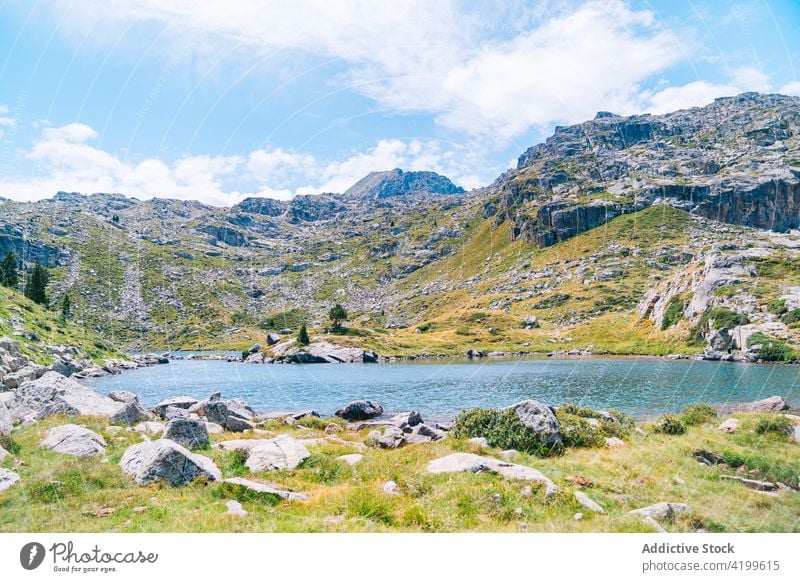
x,y
65,159
698,93
6,121
494,69
792,88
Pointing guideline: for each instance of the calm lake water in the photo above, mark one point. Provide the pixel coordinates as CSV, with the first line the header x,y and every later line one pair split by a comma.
x,y
641,387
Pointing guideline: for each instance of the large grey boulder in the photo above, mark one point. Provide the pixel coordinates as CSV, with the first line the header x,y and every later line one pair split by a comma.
x,y
179,402
167,461
470,463
539,418
6,424
231,415
187,432
56,394
122,396
282,452
71,439
7,479
360,410
771,404
26,374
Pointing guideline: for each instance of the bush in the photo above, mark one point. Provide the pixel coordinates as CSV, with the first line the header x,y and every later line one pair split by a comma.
x,y
10,444
696,414
669,424
771,349
777,306
500,428
774,425
613,423
576,431
791,317
425,327
723,317
673,313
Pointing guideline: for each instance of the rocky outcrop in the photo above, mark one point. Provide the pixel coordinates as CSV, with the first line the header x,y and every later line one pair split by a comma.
x,y
539,419
771,404
396,182
232,415
262,206
166,461
14,239
187,432
314,208
321,352
71,439
55,394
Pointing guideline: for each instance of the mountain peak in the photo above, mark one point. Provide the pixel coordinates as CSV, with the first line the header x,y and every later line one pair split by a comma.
x,y
396,182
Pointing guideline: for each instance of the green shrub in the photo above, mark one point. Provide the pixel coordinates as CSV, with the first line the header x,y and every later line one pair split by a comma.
x,y
323,469
576,431
425,327
500,428
613,423
771,349
720,317
777,306
696,414
791,317
774,425
669,424
10,444
673,313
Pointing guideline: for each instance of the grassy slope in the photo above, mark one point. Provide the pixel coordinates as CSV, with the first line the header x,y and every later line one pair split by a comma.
x,y
60,493
48,327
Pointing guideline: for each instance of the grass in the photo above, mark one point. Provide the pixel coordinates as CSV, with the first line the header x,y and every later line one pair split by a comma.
x,y
59,493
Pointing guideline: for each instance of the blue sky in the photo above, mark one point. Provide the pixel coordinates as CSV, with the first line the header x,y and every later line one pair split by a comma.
x,y
220,100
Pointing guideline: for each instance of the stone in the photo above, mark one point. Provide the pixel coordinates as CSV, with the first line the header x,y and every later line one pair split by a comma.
x,y
3,454
588,503
179,402
26,374
729,426
510,454
7,479
771,404
352,459
478,442
391,488
272,339
614,442
214,428
530,322
131,413
540,419
122,396
470,463
412,418
577,516
260,488
6,424
56,394
661,510
432,433
71,439
167,461
752,483
235,508
721,340
360,410
173,412
654,524
333,428
229,414
64,367
187,432
282,452
392,438
149,427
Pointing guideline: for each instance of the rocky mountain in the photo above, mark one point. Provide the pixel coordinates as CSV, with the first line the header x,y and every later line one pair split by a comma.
x,y
643,234
396,182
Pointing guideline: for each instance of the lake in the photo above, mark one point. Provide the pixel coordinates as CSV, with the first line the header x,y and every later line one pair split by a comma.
x,y
439,389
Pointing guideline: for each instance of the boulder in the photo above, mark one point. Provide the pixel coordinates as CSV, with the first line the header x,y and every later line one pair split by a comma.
x,y
235,508
272,339
259,488
510,454
729,426
434,434
360,410
282,452
132,412
403,419
172,412
539,418
167,461
721,340
469,463
3,454
71,439
7,479
229,414
771,404
614,442
179,402
122,396
6,423
56,394
392,438
661,510
187,432
149,427
26,374
64,367
530,322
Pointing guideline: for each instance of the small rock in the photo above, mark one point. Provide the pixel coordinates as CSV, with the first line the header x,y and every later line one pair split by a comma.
x,y
654,524
614,443
7,479
661,510
352,459
478,442
149,427
391,488
578,516
71,439
729,426
588,503
235,508
510,454
264,489
333,428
